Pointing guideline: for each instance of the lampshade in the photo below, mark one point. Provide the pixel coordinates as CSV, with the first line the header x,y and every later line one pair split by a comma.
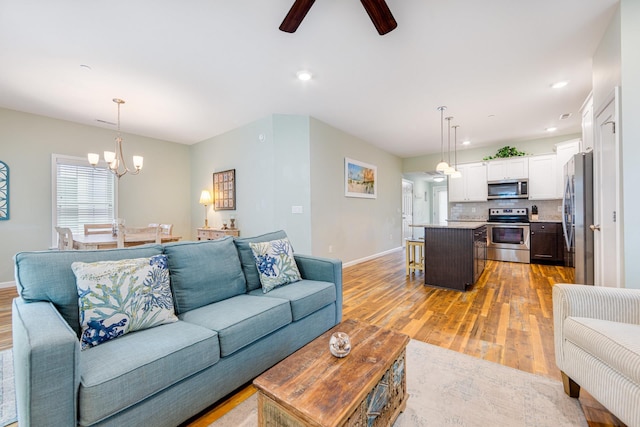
x,y
205,198
94,158
442,166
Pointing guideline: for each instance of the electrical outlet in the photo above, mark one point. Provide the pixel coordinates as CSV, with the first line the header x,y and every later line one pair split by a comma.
x,y
559,208
473,210
296,209
390,236
330,249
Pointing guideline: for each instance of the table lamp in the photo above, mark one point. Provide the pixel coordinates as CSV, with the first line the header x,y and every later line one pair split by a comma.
x,y
205,199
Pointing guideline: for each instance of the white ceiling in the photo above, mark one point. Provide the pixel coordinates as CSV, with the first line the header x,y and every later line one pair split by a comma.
x,y
190,70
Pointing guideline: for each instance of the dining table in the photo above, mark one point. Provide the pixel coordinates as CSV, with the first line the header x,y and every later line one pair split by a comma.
x,y
109,241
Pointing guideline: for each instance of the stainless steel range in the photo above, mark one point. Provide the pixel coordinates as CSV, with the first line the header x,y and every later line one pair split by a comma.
x,y
508,235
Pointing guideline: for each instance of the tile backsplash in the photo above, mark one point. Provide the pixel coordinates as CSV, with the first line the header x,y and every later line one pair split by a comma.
x,y
548,210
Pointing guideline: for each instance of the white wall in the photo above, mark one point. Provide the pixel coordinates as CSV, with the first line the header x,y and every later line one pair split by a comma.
x,y
606,64
158,194
355,228
630,136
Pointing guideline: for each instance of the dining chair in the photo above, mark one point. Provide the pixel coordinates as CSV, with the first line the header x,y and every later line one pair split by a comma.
x,y
151,234
98,229
65,239
165,229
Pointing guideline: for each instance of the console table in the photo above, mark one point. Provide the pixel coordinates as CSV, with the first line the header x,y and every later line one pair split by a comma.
x,y
216,233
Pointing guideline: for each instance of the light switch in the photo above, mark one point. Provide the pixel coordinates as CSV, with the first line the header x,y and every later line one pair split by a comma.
x,y
296,209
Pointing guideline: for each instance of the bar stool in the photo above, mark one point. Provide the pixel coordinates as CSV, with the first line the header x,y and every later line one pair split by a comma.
x,y
415,255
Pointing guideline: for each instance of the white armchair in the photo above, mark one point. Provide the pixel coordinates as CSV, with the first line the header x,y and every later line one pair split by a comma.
x,y
597,345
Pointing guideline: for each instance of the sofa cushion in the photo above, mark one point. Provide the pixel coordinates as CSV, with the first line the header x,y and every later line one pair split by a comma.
x,y
118,297
204,272
122,372
275,263
241,320
47,275
615,343
246,256
305,296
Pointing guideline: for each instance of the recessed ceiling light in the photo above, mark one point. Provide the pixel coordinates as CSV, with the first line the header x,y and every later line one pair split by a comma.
x,y
565,116
438,178
559,85
551,129
467,142
304,75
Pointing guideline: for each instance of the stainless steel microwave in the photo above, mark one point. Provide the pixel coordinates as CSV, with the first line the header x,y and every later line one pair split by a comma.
x,y
508,189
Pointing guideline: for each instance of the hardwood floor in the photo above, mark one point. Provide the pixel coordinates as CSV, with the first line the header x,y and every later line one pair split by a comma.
x,y
506,318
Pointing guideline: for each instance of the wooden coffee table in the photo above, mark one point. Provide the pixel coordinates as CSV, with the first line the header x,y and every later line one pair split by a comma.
x,y
313,388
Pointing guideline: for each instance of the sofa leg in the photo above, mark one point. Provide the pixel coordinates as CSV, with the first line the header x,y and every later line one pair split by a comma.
x,y
571,388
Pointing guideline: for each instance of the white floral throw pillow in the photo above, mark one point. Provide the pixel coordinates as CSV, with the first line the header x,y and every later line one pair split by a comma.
x,y
275,263
118,297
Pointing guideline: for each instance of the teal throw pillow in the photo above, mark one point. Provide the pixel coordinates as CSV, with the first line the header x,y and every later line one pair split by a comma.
x,y
275,262
118,297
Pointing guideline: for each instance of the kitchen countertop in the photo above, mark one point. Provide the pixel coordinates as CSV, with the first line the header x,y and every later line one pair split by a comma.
x,y
452,224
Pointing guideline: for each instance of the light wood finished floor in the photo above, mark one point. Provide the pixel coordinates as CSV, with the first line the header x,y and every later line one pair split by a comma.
x,y
505,318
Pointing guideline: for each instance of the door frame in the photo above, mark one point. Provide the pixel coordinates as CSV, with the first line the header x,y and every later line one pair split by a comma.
x,y
598,211
436,203
405,234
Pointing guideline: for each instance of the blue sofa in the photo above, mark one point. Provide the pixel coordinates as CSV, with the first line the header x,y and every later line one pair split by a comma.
x,y
228,332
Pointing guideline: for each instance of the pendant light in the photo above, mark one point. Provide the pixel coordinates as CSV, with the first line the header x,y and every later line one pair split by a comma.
x,y
442,166
449,169
456,173
115,159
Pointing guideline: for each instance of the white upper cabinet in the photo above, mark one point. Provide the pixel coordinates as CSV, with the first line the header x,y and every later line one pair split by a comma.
x,y
546,172
516,168
472,186
587,124
543,177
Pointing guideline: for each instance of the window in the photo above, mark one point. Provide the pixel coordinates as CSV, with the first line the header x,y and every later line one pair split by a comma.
x,y
81,194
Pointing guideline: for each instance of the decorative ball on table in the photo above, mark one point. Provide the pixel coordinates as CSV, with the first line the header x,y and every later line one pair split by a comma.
x,y
339,344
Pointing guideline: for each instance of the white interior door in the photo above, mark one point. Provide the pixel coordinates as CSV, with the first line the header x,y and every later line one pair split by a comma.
x,y
440,205
407,210
607,199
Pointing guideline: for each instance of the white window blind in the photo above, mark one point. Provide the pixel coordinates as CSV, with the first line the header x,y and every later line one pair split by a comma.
x,y
82,194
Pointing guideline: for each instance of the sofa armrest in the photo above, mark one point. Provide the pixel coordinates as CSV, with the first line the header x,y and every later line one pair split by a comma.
x,y
613,304
46,353
324,269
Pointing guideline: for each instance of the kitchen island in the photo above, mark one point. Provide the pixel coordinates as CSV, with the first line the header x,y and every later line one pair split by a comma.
x,y
455,254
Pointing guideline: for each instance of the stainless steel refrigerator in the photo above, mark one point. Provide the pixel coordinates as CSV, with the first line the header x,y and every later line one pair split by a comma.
x,y
577,209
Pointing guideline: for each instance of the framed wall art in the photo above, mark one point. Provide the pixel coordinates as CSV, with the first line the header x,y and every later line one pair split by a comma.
x,y
360,179
4,191
224,190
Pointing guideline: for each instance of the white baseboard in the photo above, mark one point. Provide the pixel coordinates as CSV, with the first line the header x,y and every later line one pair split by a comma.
x,y
370,257
7,285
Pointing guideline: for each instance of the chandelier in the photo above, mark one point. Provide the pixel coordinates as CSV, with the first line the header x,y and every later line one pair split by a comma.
x,y
115,159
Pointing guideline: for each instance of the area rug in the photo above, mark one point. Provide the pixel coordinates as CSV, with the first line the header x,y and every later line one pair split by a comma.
x,y
447,388
7,389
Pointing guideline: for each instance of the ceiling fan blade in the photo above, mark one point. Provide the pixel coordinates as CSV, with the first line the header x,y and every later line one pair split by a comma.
x,y
295,16
380,15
